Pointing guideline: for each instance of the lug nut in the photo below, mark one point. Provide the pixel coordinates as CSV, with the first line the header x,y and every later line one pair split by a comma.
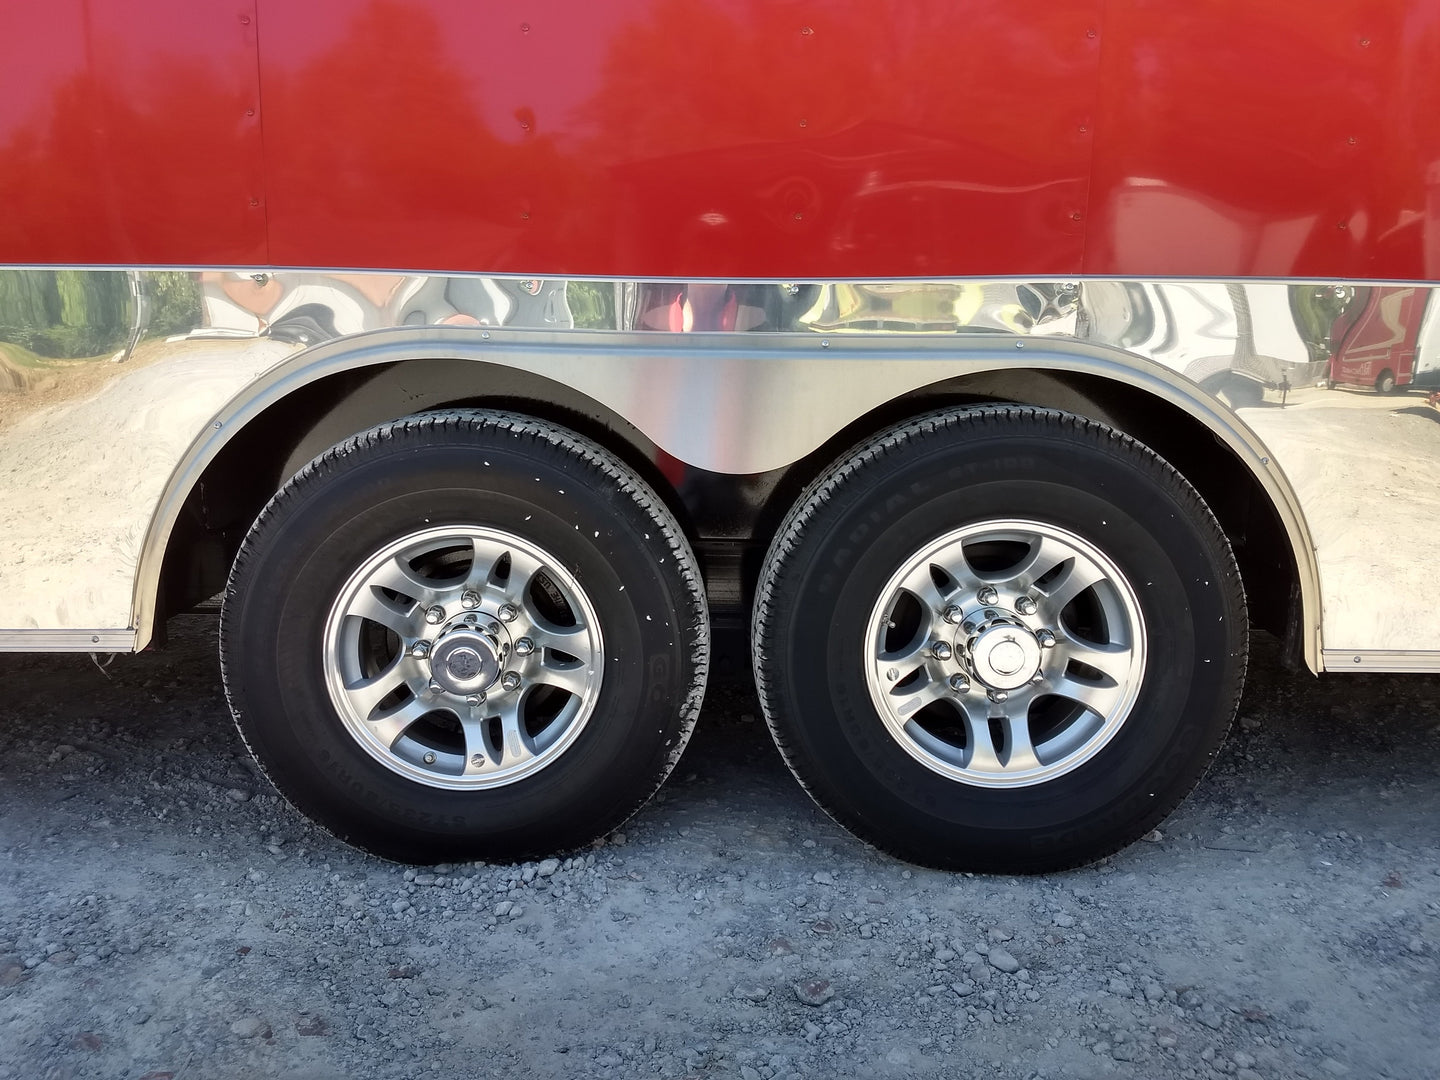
x,y
435,614
430,758
960,684
508,612
510,680
436,688
987,596
998,696
1045,638
952,614
470,599
1025,606
1037,678
940,651
524,647
475,699
420,650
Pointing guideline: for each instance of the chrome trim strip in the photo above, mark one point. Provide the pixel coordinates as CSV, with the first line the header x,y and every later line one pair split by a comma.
x,y
68,641
1381,661
275,269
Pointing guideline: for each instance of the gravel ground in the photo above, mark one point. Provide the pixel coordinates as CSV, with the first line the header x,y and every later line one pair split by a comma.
x,y
164,914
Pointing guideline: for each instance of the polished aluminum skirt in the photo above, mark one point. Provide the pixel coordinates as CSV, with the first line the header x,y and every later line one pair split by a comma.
x,y
117,387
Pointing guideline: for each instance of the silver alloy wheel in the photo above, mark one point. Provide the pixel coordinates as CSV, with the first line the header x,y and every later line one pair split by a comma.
x,y
1005,653
463,657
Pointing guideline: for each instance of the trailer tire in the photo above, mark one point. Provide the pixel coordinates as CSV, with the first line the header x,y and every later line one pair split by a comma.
x,y
999,639
465,635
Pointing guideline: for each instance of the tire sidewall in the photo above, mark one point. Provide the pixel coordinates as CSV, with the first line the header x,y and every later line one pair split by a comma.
x,y
616,554
886,513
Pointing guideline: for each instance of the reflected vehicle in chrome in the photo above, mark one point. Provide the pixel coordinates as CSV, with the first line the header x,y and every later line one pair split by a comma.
x,y
1379,340
479,390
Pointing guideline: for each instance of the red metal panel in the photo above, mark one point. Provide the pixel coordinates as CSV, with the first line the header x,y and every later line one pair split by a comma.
x,y
680,137
728,138
129,133
1281,138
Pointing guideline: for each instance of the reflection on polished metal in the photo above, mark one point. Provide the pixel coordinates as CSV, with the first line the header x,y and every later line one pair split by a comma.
x,y
117,388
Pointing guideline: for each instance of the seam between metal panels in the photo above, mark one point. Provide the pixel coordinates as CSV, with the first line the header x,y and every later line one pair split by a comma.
x,y
659,279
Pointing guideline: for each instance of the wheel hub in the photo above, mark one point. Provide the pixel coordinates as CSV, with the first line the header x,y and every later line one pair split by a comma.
x,y
467,657
1001,654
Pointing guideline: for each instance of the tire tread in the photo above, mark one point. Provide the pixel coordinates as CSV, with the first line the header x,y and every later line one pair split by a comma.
x,y
970,422
420,429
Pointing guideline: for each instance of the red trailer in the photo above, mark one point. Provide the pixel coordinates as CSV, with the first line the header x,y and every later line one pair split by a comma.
x,y
955,357
1378,344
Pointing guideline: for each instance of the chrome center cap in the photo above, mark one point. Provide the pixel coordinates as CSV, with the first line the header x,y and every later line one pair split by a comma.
x,y
465,660
1004,657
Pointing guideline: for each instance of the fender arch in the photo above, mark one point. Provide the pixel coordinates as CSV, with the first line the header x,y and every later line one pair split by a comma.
x,y
730,403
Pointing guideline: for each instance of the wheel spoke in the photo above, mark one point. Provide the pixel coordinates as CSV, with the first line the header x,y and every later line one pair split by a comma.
x,y
1099,698
1075,579
397,576
980,745
1019,750
483,577
387,727
573,640
485,558
480,756
1111,660
905,662
394,615
912,699
367,693
1045,554
516,585
572,678
920,583
515,743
